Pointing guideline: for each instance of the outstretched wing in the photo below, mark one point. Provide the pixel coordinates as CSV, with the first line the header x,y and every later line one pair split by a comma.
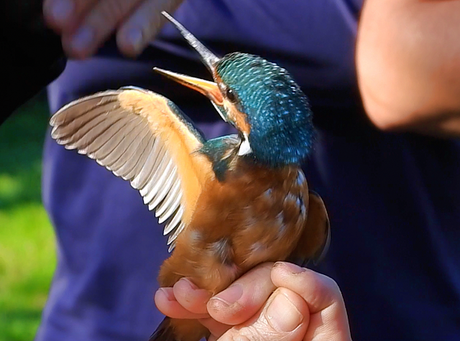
x,y
316,236
144,138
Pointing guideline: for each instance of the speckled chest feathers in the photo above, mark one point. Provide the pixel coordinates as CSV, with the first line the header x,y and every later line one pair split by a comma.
x,y
255,215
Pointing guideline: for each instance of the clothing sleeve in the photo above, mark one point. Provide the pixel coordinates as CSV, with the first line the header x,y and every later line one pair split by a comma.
x,y
32,53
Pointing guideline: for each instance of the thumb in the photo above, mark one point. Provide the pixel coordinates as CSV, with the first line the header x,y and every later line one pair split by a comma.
x,y
328,317
285,316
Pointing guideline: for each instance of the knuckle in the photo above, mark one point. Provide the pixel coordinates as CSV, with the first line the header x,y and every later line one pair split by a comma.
x,y
322,291
115,8
259,330
261,271
245,334
318,287
327,284
110,12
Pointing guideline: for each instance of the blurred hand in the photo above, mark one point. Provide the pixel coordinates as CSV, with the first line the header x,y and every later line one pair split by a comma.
x,y
85,25
271,302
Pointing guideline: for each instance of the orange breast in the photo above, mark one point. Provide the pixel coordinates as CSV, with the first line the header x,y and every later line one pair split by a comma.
x,y
256,215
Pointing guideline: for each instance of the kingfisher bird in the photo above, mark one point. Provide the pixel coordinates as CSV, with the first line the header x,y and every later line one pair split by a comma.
x,y
229,203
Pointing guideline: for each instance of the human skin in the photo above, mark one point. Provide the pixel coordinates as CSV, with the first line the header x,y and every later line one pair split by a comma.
x,y
408,63
271,302
84,25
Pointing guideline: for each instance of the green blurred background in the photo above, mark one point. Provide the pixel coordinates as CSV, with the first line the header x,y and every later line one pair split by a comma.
x,y
27,245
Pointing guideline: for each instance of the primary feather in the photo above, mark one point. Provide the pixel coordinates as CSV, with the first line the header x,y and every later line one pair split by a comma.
x,y
144,138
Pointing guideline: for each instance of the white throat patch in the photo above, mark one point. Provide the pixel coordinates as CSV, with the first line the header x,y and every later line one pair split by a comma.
x,y
245,146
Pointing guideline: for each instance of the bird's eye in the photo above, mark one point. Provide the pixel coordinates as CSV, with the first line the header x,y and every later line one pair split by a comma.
x,y
230,94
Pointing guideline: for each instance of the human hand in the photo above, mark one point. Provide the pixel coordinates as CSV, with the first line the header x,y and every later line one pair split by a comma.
x,y
408,67
271,302
84,25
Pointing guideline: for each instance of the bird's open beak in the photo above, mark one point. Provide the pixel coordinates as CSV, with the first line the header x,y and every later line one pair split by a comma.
x,y
207,88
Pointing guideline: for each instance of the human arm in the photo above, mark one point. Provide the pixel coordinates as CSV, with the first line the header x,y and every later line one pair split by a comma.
x,y
408,63
310,306
85,24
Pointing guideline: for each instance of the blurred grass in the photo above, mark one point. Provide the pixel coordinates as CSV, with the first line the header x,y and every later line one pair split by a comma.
x,y
27,248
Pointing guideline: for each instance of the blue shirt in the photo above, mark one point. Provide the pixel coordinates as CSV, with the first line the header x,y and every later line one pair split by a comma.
x,y
393,198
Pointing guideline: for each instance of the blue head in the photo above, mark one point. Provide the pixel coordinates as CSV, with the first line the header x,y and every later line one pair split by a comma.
x,y
260,99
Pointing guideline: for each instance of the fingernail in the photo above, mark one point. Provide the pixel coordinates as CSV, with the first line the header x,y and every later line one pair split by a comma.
x,y
230,295
135,38
61,9
168,293
188,283
82,39
292,268
282,314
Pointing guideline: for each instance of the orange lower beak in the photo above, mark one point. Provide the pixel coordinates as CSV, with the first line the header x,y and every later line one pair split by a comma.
x,y
207,88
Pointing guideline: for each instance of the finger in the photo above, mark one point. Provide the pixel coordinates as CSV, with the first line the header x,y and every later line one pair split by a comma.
x,y
217,329
191,297
328,320
64,15
143,25
96,26
244,297
168,305
318,290
284,317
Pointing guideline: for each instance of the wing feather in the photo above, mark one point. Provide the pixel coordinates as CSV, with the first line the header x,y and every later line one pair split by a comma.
x,y
160,199
139,162
141,137
171,201
141,179
315,239
110,152
173,236
175,221
159,166
97,148
170,206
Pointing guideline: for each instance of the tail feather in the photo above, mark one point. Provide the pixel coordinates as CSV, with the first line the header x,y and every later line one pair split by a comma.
x,y
179,330
164,332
